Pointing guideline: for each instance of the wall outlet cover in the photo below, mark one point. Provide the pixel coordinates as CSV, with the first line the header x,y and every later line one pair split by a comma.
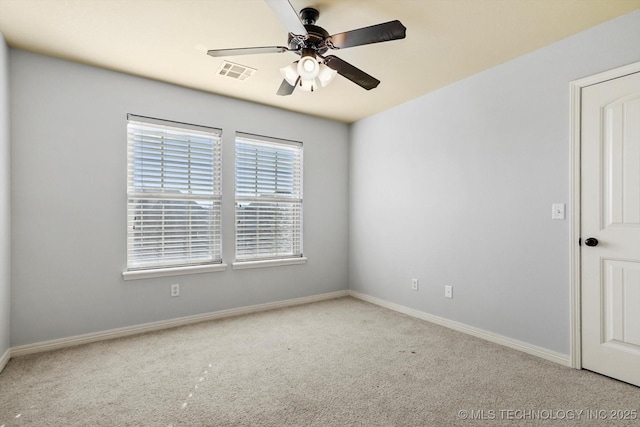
x,y
448,291
175,290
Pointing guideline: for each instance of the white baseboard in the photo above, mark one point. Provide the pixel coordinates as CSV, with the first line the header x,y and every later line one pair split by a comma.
x,y
524,347
5,359
165,324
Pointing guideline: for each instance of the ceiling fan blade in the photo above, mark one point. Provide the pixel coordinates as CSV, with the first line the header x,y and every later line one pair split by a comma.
x,y
392,30
247,51
288,16
354,74
286,88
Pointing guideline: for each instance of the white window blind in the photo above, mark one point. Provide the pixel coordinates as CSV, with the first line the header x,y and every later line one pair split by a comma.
x,y
173,194
268,198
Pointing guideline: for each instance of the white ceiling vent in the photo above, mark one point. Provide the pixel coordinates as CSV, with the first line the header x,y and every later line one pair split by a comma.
x,y
235,71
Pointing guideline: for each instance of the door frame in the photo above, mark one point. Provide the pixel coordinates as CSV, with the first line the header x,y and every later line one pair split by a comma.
x,y
575,313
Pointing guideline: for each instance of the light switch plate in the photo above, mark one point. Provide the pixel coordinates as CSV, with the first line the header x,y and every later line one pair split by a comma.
x,y
557,211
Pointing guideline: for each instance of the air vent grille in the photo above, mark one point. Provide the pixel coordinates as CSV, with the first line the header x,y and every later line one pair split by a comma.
x,y
235,71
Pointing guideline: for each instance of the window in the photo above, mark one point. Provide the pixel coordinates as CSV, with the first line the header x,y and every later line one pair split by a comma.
x,y
268,198
173,194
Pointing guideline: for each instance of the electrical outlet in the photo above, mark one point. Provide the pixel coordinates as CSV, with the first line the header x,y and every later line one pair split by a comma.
x,y
175,290
448,291
414,284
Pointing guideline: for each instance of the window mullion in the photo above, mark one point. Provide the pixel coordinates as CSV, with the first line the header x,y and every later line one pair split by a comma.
x,y
162,185
189,218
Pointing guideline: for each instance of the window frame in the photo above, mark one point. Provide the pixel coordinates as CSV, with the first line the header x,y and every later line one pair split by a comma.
x,y
198,190
284,147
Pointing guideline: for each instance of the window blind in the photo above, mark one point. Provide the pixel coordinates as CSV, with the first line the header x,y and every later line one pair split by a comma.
x,y
268,198
173,194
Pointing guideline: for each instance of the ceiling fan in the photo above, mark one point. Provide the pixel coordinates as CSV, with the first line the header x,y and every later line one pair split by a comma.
x,y
311,42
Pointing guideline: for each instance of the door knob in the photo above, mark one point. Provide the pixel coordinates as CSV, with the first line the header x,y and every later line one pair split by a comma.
x,y
591,241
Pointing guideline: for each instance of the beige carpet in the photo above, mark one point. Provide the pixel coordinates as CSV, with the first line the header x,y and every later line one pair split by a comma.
x,y
334,363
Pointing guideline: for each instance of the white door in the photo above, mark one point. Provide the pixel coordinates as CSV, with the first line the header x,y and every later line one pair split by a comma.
x,y
610,165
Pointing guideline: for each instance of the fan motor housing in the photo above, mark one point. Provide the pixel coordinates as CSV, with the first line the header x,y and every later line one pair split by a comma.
x,y
315,40
316,36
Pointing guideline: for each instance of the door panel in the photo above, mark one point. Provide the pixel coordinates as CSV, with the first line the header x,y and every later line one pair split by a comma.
x,y
621,304
610,183
621,131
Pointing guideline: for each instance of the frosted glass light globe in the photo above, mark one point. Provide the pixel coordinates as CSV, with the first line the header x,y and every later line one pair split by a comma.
x,y
308,68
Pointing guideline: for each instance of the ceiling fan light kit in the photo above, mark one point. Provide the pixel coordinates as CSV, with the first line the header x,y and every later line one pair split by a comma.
x,y
311,42
293,77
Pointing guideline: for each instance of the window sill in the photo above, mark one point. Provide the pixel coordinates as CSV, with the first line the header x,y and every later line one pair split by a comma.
x,y
173,271
268,263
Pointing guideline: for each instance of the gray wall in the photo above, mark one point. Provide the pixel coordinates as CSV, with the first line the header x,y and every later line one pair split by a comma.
x,y
455,188
5,191
68,133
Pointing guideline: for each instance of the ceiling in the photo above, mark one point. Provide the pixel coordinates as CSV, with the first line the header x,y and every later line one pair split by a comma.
x,y
167,40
